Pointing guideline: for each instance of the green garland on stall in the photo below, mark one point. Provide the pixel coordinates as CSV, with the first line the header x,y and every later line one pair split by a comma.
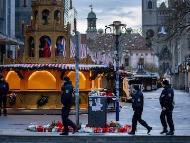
x,y
12,100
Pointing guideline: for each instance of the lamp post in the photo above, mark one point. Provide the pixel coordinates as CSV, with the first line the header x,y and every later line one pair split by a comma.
x,y
77,72
186,74
116,30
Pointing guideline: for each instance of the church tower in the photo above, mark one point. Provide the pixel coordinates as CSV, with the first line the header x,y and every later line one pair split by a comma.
x,y
47,39
149,18
91,24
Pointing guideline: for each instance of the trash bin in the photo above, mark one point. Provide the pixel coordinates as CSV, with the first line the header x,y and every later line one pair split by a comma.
x,y
97,111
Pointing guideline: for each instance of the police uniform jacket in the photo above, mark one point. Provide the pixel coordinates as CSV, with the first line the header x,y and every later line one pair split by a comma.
x,y
167,98
66,94
138,101
4,88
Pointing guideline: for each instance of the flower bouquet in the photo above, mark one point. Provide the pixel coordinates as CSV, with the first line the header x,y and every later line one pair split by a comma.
x,y
112,127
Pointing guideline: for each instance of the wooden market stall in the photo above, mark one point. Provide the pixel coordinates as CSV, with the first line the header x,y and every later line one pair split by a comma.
x,y
31,82
149,80
34,75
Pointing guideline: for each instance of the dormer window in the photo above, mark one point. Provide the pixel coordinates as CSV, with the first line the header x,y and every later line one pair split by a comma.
x,y
150,4
24,3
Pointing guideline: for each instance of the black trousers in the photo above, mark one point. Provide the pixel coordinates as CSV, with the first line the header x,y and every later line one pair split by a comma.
x,y
66,121
166,118
3,102
137,118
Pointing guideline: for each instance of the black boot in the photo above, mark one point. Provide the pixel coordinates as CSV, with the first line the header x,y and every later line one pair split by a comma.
x,y
170,133
164,131
5,112
149,129
131,133
64,133
77,128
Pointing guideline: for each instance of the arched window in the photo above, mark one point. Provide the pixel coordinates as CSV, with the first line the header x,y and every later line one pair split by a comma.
x,y
60,46
24,3
37,78
35,15
141,61
45,47
45,15
126,61
31,46
149,33
82,79
150,4
57,16
13,79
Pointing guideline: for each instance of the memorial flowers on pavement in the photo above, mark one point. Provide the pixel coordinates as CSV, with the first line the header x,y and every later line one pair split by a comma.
x,y
111,127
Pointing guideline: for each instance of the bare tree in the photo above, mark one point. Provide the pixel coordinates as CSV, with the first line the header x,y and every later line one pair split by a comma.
x,y
179,17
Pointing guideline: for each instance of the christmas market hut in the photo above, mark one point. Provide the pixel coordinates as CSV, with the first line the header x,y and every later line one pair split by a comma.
x,y
35,73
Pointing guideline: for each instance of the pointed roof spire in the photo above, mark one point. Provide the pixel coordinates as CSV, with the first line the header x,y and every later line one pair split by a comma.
x,y
71,4
91,6
162,31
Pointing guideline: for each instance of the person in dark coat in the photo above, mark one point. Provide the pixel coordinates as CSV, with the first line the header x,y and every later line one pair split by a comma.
x,y
137,105
66,100
167,105
4,89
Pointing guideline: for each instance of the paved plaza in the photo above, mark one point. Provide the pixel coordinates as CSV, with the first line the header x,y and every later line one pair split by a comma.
x,y
17,124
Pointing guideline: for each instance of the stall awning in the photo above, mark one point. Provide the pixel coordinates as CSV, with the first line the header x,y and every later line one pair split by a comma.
x,y
6,40
51,66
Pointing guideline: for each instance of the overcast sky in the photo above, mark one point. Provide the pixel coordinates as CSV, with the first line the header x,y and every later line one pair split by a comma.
x,y
126,11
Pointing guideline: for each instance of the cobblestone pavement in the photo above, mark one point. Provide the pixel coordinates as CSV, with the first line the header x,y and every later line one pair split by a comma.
x,y
16,124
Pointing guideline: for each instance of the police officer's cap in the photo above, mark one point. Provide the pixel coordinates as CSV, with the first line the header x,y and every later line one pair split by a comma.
x,y
136,87
165,82
66,78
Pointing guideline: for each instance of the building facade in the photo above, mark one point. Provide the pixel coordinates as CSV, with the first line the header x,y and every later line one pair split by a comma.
x,y
72,17
67,7
154,26
23,13
133,49
7,26
172,22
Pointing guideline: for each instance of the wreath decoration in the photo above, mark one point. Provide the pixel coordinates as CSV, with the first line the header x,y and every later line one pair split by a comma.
x,y
12,99
42,101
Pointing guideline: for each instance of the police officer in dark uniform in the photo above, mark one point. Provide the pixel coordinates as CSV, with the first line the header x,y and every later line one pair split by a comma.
x,y
66,100
167,105
4,89
137,105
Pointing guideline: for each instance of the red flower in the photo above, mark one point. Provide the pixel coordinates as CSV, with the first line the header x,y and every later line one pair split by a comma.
x,y
40,129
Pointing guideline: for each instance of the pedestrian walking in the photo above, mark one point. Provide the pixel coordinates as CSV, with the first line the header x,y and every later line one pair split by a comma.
x,y
4,89
167,105
66,100
137,105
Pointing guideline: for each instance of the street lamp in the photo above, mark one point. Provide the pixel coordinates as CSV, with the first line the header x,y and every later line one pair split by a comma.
x,y
116,30
77,107
186,73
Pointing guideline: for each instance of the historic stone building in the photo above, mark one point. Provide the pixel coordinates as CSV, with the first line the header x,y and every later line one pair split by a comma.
x,y
180,43
133,49
154,27
169,28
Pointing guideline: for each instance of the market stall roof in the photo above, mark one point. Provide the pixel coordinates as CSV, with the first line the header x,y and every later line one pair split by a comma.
x,y
6,40
142,73
52,66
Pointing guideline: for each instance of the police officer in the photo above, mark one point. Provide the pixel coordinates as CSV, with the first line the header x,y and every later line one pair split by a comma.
x,y
167,105
66,100
4,89
137,105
